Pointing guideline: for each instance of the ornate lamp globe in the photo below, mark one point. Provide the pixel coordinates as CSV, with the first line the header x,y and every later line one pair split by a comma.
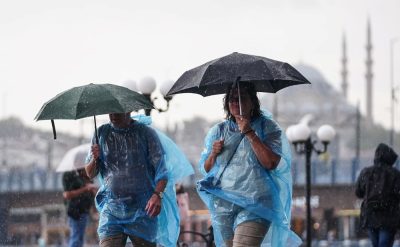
x,y
147,85
326,133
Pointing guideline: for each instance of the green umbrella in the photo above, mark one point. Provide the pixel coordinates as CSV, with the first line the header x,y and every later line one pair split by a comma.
x,y
91,100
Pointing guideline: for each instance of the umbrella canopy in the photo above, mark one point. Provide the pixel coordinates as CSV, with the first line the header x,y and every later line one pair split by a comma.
x,y
74,159
92,100
216,76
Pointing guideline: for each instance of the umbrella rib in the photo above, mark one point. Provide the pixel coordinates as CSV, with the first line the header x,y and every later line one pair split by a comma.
x,y
114,100
77,105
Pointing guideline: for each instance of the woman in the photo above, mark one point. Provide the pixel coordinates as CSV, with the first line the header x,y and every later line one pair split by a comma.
x,y
247,183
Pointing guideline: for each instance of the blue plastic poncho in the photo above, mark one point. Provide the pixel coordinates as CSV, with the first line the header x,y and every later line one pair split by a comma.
x,y
240,187
132,161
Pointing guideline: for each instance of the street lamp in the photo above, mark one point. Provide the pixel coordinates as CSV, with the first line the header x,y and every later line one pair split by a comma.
x,y
147,86
392,90
300,136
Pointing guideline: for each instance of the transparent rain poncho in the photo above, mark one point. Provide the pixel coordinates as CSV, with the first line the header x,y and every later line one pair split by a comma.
x,y
128,180
239,189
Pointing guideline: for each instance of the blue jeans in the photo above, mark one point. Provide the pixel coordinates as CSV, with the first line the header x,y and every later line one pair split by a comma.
x,y
381,237
77,230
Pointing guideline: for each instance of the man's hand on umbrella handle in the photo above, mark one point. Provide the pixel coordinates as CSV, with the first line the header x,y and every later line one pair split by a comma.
x,y
92,167
95,151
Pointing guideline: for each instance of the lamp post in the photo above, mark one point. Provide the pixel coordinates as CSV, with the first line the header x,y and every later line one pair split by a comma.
x,y
147,86
300,136
392,90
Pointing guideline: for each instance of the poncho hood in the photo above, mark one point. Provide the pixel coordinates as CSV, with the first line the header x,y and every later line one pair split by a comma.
x,y
385,155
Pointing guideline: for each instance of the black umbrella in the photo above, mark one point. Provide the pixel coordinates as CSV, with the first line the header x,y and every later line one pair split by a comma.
x,y
216,76
92,100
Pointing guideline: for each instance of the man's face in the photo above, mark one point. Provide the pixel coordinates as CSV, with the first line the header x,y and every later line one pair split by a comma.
x,y
120,120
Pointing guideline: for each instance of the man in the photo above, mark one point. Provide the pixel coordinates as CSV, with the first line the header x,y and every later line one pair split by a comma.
x,y
79,194
379,187
130,161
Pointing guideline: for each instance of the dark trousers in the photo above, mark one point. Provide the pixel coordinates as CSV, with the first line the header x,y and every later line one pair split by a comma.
x,y
120,241
381,237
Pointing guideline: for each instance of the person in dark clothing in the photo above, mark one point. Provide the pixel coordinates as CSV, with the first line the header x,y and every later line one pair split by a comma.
x,y
79,194
379,187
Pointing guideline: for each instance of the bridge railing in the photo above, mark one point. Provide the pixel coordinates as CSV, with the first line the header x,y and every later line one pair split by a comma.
x,y
322,172
18,179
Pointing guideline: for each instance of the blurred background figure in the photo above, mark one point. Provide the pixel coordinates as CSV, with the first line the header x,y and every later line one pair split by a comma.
x,y
79,192
182,198
379,187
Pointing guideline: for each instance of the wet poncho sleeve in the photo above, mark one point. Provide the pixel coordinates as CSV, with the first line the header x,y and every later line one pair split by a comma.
x,y
178,167
213,135
238,158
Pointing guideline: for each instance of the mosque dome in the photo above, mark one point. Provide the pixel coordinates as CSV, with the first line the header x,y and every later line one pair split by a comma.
x,y
318,98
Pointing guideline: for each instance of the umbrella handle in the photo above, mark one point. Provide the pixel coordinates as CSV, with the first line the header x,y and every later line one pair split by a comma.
x,y
95,130
240,98
54,129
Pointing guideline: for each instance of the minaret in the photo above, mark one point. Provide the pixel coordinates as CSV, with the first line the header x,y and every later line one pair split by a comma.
x,y
344,71
368,75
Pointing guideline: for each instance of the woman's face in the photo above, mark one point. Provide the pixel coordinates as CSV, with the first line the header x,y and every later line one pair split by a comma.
x,y
247,104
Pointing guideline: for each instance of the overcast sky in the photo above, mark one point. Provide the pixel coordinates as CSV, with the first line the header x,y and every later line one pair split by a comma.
x,y
49,46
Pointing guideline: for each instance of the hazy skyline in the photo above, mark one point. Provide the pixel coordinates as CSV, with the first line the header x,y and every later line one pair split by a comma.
x,y
47,47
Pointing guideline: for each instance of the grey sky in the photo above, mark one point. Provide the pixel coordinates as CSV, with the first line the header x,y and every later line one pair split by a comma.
x,y
49,46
